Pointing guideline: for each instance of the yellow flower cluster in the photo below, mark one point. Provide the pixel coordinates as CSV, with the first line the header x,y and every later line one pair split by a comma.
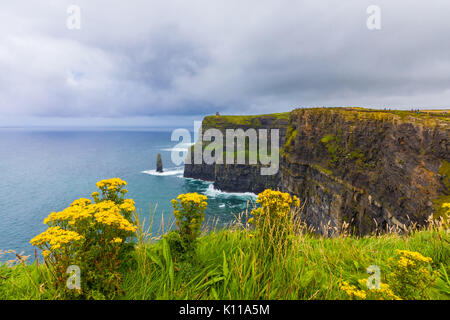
x,y
116,240
409,258
55,237
352,291
128,205
111,184
411,274
191,198
108,213
270,197
82,202
77,211
383,293
405,262
276,202
105,212
189,211
91,234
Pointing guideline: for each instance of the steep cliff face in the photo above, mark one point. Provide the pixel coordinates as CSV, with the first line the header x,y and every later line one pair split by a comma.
x,y
371,169
239,177
368,168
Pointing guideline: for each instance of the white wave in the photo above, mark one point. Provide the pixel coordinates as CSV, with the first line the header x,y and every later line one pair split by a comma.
x,y
182,147
199,180
214,193
175,149
167,172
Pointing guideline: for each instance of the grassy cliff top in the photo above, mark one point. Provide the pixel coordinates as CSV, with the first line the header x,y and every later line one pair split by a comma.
x,y
426,117
247,120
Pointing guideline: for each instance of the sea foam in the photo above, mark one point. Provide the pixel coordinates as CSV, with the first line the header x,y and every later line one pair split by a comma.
x,y
214,193
167,172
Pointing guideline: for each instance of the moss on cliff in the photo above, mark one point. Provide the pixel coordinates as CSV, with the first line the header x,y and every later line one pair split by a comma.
x,y
339,152
291,134
335,151
444,172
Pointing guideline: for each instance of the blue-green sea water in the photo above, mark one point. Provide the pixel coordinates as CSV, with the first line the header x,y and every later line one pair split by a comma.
x,y
45,170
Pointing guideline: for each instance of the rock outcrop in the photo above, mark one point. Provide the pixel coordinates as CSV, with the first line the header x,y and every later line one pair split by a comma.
x,y
371,169
159,164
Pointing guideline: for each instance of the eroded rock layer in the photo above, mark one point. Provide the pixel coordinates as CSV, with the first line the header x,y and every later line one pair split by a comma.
x,y
370,169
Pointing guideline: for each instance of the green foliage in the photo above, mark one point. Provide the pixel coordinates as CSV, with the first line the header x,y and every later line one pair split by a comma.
x,y
338,152
227,266
178,246
412,275
231,264
189,211
328,138
274,220
362,292
291,134
335,151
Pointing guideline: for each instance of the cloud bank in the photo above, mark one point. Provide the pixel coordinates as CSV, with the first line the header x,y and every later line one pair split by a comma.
x,y
160,59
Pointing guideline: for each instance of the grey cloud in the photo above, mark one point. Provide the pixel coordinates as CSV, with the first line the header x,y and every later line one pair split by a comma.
x,y
155,58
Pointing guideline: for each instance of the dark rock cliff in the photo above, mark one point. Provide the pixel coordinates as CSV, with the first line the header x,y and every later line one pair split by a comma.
x,y
239,177
368,168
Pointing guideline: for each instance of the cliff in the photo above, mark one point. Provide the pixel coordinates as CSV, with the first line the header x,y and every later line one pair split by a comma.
x,y
239,177
372,169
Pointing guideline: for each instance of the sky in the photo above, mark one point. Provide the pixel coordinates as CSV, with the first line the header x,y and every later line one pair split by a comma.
x,y
168,63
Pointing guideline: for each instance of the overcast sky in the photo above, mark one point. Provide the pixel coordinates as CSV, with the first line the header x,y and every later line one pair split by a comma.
x,y
166,63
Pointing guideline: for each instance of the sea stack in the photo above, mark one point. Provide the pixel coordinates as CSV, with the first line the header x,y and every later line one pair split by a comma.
x,y
159,165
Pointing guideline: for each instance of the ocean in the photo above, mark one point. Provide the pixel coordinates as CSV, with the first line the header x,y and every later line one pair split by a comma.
x,y
44,170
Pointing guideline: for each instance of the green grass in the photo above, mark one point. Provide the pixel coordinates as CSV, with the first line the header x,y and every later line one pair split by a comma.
x,y
230,121
230,264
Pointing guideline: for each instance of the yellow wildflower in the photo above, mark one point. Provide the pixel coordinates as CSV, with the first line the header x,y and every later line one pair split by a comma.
x,y
275,203
81,202
114,182
352,291
412,255
128,205
55,237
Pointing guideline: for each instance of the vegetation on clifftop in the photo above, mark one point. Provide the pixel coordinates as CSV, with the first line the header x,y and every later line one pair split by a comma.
x,y
231,121
430,119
